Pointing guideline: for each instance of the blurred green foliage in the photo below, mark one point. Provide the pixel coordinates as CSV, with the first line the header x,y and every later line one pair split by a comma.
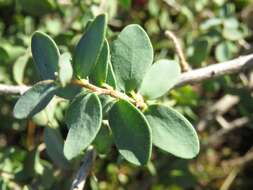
x,y
210,31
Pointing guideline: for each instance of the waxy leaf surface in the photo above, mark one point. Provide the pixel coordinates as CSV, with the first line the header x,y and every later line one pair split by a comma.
x,y
162,76
172,132
132,55
99,73
83,118
45,55
88,48
35,99
131,132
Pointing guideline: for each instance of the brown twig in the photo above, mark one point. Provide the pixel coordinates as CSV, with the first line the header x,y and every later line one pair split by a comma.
x,y
238,164
111,92
216,138
230,179
240,161
183,63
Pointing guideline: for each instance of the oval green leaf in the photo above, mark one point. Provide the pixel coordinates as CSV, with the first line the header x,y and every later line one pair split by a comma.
x,y
69,92
89,47
132,55
45,54
84,118
172,132
106,102
161,77
19,68
65,71
232,34
225,51
54,147
131,132
103,140
199,51
35,99
99,73
37,8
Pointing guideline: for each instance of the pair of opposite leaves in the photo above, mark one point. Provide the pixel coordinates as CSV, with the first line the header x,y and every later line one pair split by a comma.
x,y
132,57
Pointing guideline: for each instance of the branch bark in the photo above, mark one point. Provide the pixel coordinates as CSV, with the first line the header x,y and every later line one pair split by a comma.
x,y
228,67
6,89
83,172
183,63
194,76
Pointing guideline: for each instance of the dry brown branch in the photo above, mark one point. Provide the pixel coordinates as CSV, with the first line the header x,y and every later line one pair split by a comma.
x,y
240,161
217,137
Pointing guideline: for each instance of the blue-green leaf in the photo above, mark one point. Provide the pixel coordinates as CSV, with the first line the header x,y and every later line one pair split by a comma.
x,y
99,73
132,55
88,48
172,132
35,99
199,50
37,8
69,91
103,140
131,132
54,147
162,76
19,68
84,119
232,34
45,54
225,51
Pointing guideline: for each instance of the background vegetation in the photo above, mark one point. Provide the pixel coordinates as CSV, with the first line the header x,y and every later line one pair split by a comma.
x,y
221,109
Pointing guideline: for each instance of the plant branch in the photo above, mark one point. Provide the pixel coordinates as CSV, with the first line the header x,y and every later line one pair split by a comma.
x,y
139,102
215,70
193,76
183,63
83,172
6,89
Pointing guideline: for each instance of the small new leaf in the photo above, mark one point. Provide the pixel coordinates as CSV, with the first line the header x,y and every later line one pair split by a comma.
x,y
172,132
65,71
132,55
88,48
84,119
35,99
45,54
162,76
131,132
